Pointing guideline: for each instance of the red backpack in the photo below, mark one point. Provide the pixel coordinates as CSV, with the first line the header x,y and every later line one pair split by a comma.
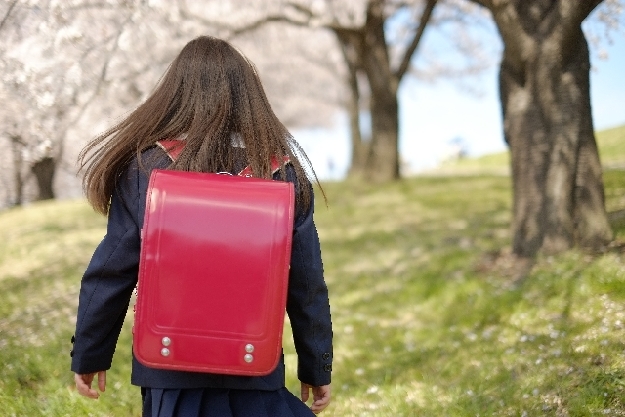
x,y
213,271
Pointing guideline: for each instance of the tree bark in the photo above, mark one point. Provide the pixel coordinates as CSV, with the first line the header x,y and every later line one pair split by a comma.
x,y
592,226
382,163
44,173
360,148
351,44
18,180
545,96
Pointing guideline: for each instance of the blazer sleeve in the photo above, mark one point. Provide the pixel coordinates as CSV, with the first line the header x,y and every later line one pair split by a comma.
x,y
308,304
108,282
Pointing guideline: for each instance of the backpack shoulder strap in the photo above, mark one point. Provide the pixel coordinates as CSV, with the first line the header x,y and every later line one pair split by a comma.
x,y
172,147
276,164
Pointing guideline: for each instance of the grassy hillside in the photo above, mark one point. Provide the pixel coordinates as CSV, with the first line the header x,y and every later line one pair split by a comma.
x,y
426,319
611,144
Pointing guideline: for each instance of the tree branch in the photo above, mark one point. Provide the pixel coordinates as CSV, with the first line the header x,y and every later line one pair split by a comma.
x,y
8,13
90,6
300,8
576,12
488,4
186,14
257,24
425,18
572,15
94,93
251,26
512,34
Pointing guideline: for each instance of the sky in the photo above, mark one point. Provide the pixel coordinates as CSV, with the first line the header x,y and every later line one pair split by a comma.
x,y
432,115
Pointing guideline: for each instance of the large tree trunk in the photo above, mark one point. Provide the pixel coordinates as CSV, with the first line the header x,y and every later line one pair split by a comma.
x,y
382,162
545,95
44,173
592,226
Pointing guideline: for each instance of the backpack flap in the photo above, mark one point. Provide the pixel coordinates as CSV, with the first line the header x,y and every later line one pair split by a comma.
x,y
213,273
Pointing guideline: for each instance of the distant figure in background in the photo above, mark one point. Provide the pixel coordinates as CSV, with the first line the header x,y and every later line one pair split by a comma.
x,y
330,167
212,98
455,150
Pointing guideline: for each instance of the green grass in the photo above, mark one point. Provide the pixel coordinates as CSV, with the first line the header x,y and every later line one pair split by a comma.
x,y
426,320
611,143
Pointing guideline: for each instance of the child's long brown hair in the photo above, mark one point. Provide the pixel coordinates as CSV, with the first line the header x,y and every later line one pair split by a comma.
x,y
210,93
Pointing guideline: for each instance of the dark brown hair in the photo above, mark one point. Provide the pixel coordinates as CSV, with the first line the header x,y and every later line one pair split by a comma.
x,y
210,93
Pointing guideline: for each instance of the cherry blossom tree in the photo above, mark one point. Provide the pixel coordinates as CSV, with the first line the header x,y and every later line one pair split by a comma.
x,y
71,66
45,84
369,72
61,56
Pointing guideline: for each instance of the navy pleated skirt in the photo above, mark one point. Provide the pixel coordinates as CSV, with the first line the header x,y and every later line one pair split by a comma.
x,y
213,402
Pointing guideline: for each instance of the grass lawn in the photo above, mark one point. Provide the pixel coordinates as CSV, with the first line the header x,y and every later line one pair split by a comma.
x,y
611,144
426,319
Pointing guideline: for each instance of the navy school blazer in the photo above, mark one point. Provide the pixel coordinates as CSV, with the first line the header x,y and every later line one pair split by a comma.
x,y
109,280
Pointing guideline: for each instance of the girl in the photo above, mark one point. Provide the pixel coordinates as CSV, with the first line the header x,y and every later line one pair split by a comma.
x,y
212,98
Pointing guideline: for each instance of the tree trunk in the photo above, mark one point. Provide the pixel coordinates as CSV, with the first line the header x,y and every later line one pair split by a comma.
x,y
545,95
592,226
351,42
382,162
366,52
44,173
360,148
383,155
18,180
